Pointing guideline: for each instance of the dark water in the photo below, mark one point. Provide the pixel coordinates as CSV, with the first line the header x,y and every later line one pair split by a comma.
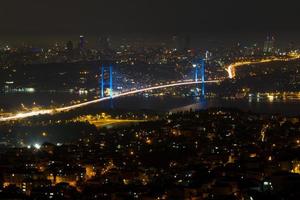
x,y
12,102
289,108
175,104
133,103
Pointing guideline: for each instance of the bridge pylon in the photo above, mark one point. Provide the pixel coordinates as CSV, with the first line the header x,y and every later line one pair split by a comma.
x,y
200,71
106,81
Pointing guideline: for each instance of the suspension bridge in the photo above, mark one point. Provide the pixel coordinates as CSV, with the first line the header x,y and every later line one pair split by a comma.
x,y
107,84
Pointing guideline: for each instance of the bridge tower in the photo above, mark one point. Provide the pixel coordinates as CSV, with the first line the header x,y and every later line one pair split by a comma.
x,y
202,74
203,77
106,83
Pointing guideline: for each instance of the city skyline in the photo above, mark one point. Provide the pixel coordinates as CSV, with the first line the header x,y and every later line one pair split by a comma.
x,y
149,100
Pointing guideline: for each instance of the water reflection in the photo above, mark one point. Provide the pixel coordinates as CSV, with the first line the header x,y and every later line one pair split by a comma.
x,y
287,103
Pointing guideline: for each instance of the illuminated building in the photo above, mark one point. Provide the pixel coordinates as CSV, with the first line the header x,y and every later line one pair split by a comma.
x,y
269,45
81,42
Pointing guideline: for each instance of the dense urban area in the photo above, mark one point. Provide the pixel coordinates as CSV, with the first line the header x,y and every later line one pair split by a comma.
x,y
113,153
211,154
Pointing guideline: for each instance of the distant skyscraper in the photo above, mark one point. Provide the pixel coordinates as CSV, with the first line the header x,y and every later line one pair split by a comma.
x,y
182,42
69,46
81,42
208,55
104,43
269,45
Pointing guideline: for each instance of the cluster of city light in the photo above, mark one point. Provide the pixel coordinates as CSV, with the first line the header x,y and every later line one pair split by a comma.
x,y
231,69
24,115
104,120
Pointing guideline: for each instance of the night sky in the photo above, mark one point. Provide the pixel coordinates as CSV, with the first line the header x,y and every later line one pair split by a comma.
x,y
63,17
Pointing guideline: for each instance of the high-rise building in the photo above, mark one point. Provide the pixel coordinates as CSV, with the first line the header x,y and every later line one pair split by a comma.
x,y
69,46
104,43
81,42
182,42
269,45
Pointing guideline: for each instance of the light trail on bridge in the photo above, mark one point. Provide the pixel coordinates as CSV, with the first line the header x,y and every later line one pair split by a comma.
x,y
231,69
24,115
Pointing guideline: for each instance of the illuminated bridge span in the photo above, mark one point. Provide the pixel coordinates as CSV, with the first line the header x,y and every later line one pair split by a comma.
x,y
231,69
67,108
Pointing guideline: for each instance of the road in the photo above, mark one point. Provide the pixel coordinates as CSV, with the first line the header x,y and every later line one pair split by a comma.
x,y
231,69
